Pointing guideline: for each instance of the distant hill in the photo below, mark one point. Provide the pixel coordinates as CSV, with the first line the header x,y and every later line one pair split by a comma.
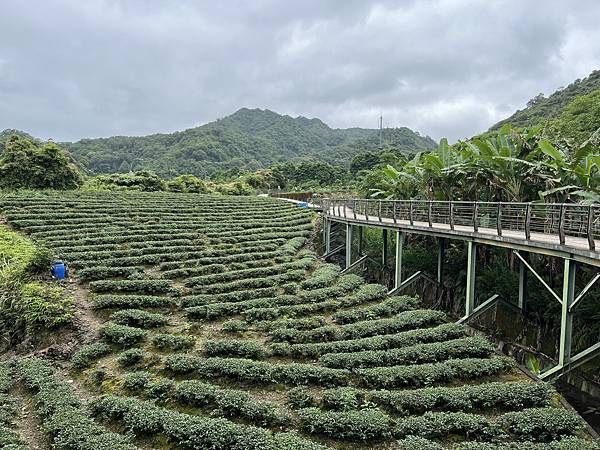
x,y
248,139
541,108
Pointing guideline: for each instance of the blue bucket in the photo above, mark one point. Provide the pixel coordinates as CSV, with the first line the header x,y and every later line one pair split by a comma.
x,y
58,270
302,205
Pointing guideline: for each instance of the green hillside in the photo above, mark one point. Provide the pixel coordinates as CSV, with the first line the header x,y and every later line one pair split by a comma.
x,y
541,108
249,139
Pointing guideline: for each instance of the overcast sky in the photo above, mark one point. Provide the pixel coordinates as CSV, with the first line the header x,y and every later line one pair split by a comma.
x,y
88,68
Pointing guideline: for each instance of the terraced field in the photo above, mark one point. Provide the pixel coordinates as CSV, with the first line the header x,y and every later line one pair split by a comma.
x,y
218,328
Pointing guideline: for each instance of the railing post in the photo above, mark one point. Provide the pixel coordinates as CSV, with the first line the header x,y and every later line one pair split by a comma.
x,y
429,213
367,210
561,225
452,215
394,211
475,211
410,216
499,218
590,232
354,208
379,210
345,201
528,221
566,320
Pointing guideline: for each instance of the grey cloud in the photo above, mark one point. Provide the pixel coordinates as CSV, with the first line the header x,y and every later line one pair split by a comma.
x,y
71,69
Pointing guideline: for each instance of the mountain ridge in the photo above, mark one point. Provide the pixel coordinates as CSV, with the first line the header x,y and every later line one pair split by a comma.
x,y
248,139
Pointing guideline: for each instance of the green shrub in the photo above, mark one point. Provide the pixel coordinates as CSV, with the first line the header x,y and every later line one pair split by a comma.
x,y
423,374
173,342
473,346
442,424
543,424
307,323
340,399
322,277
193,432
300,397
234,347
406,338
366,425
137,381
141,286
160,389
515,395
139,318
256,371
131,301
64,420
234,326
386,308
121,335
228,402
89,354
103,272
403,321
131,357
43,307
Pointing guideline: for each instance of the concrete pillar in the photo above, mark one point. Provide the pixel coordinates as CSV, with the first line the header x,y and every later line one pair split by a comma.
x,y
399,251
470,294
348,245
566,318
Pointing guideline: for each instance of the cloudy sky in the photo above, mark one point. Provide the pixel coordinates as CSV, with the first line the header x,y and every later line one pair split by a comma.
x,y
88,68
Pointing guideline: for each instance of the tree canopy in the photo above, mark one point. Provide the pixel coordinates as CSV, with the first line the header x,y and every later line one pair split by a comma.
x,y
27,164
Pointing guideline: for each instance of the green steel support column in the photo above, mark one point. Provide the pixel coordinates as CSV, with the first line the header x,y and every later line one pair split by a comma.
x,y
566,319
360,240
471,259
348,245
328,237
522,285
441,258
384,255
399,250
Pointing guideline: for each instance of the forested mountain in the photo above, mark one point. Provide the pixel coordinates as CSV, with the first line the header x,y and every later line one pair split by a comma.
x,y
540,108
249,139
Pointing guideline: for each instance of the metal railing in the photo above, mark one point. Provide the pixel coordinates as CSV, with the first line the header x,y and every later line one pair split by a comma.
x,y
557,219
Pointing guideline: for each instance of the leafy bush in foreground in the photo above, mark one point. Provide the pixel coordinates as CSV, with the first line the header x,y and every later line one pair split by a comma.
x,y
66,422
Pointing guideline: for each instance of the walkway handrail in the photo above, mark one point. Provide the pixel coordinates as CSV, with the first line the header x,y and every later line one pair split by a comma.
x,y
558,219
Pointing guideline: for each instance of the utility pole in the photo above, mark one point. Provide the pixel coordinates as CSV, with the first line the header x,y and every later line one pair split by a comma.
x,y
381,132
